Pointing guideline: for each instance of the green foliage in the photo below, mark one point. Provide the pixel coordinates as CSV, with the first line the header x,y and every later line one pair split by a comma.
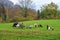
x,y
26,13
49,11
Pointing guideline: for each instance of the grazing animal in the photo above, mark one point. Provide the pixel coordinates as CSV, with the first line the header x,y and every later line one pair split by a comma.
x,y
30,26
40,25
22,25
15,23
49,28
35,25
52,28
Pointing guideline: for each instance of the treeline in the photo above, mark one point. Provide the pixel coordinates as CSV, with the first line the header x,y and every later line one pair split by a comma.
x,y
21,12
11,15
50,11
25,12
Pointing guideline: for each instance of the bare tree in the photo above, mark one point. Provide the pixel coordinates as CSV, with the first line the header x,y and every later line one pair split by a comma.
x,y
25,4
3,14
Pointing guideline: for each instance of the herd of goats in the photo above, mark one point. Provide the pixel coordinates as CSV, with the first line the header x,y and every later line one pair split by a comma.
x,y
15,24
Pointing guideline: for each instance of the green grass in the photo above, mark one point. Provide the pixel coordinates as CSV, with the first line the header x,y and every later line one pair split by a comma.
x,y
7,32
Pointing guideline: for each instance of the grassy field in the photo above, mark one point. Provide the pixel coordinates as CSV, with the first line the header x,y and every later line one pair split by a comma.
x,y
7,32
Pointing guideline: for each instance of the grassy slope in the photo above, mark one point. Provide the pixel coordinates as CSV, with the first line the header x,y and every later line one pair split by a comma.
x,y
7,32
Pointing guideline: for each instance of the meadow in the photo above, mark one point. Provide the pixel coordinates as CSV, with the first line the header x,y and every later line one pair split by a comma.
x,y
7,32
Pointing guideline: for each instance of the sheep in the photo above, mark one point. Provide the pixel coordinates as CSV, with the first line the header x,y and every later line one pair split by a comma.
x,y
15,23
49,28
22,25
35,25
30,26
40,25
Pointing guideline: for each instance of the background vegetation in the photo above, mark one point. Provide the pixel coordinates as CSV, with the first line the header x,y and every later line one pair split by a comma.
x,y
24,11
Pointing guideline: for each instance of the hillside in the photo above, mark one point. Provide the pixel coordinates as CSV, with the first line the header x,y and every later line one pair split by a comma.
x,y
7,32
